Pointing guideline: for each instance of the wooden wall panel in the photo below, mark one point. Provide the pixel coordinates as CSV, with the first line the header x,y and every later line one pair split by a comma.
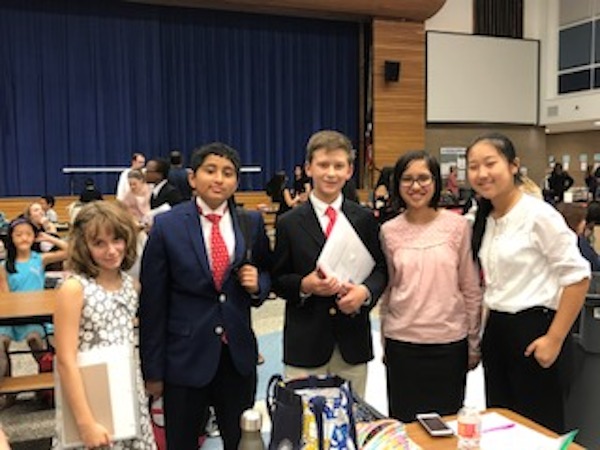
x,y
415,10
398,107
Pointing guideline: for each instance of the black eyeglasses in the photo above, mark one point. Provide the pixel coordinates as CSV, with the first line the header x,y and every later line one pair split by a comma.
x,y
422,180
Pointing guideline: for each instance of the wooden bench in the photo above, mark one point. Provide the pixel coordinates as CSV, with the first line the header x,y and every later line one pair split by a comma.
x,y
27,383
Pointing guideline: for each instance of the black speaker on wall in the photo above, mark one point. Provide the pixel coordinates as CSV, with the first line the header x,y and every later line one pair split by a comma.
x,y
392,70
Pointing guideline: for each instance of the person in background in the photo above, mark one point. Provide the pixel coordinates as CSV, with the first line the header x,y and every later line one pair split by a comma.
x,y
382,200
90,193
350,192
23,271
179,175
327,328
96,308
47,202
36,215
575,214
559,182
137,200
206,263
452,183
138,161
591,182
535,285
592,224
302,185
528,186
431,310
279,192
164,195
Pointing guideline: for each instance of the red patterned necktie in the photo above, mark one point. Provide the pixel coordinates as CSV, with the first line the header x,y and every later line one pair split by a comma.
x,y
218,251
332,214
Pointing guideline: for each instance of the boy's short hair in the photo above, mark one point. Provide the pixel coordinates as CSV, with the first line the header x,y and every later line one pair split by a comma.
x,y
329,140
215,148
49,199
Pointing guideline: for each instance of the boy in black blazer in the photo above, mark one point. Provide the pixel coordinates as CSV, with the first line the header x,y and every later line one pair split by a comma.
x,y
327,328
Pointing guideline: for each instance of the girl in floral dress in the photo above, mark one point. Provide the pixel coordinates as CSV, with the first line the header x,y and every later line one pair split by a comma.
x,y
96,308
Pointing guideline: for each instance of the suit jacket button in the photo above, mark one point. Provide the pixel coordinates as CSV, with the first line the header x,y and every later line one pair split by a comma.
x,y
222,298
332,311
218,330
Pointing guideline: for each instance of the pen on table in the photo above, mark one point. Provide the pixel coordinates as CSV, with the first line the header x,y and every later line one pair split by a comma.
x,y
499,427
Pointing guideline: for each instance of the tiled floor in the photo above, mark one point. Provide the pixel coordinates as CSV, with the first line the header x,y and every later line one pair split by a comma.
x,y
27,420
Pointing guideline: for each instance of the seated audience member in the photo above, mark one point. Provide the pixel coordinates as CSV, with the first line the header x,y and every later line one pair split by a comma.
x,y
574,215
23,271
137,200
179,175
90,193
36,215
47,202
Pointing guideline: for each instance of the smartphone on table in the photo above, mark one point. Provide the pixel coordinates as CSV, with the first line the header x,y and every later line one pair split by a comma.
x,y
433,423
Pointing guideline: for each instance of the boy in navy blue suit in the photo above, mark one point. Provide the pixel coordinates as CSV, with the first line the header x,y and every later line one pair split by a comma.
x,y
204,266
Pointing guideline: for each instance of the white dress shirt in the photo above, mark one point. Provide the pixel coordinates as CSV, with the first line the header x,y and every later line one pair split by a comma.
x,y
225,227
320,207
528,256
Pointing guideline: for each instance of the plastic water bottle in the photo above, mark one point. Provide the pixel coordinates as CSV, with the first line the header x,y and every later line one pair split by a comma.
x,y
251,424
469,428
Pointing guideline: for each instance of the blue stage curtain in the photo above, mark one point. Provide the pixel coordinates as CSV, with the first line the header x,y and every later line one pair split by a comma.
x,y
89,83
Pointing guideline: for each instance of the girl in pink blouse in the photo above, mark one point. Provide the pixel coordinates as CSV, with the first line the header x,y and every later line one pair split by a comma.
x,y
431,310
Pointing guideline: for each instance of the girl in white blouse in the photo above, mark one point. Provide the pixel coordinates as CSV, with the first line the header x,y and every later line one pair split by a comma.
x,y
535,285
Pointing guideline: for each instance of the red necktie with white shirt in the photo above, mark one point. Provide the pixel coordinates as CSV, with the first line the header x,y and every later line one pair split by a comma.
x,y
219,256
332,215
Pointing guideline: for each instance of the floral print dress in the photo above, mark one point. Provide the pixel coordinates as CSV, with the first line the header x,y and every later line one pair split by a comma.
x,y
107,319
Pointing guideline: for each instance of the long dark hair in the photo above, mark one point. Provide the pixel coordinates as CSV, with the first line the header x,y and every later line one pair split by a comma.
x,y
11,249
505,147
402,164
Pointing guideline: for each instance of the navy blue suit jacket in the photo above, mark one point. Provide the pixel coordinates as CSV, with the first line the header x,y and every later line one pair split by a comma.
x,y
182,314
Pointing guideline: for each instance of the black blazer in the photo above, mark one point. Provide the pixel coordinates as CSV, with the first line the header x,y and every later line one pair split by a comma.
x,y
167,194
313,326
182,314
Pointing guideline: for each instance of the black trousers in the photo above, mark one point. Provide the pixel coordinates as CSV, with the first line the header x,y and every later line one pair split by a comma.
x,y
424,378
517,382
229,393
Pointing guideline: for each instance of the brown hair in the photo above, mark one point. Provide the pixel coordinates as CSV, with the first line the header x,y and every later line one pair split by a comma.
x,y
137,174
93,218
573,213
329,140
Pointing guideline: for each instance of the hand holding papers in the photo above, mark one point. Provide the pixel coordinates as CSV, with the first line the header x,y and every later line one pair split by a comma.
x,y
109,382
344,256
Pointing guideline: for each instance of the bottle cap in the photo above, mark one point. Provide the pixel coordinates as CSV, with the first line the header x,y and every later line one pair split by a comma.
x,y
251,420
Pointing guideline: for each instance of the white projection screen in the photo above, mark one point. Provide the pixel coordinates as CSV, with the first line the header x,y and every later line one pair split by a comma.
x,y
482,79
